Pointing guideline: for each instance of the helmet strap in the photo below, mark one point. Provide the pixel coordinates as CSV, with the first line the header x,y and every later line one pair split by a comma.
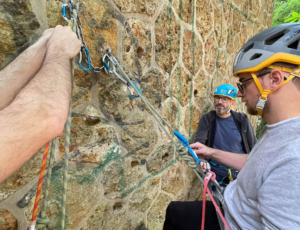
x,y
265,93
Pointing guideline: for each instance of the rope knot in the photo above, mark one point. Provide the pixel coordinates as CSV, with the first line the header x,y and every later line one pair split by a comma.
x,y
42,222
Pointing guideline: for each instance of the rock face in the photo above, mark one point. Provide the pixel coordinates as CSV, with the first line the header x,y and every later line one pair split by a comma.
x,y
18,26
123,169
7,220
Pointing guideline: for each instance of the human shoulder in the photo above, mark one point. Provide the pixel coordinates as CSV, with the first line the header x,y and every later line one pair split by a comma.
x,y
283,155
209,115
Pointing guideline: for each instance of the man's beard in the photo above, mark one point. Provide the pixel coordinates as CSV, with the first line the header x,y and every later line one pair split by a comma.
x,y
220,109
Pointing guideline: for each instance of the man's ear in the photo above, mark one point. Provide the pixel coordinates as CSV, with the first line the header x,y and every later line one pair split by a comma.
x,y
276,77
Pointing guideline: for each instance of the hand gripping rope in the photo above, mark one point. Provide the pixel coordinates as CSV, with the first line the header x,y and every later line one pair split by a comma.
x,y
44,221
185,143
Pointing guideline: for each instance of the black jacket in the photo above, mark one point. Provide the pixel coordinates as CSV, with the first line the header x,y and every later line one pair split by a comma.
x,y
207,129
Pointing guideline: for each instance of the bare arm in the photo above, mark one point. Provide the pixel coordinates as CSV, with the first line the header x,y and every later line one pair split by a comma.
x,y
40,110
231,160
19,72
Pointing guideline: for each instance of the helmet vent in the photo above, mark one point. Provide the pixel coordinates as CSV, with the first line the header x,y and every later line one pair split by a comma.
x,y
294,45
275,38
255,56
249,47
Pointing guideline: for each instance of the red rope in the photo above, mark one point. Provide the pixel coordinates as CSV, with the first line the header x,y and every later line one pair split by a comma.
x,y
40,183
205,190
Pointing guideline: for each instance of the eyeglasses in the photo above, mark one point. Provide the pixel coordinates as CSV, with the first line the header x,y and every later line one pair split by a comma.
x,y
223,99
240,84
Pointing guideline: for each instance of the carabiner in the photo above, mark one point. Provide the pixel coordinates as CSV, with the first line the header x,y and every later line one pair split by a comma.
x,y
64,13
106,65
86,51
137,88
208,168
112,69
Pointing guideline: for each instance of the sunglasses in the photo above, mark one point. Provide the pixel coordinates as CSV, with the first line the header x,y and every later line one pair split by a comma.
x,y
240,84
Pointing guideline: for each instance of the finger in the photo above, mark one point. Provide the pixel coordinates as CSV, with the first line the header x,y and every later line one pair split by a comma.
x,y
194,145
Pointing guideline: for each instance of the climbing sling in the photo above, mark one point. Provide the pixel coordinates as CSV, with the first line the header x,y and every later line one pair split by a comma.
x,y
112,66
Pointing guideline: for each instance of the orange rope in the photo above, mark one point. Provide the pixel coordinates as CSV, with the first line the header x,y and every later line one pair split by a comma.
x,y
38,193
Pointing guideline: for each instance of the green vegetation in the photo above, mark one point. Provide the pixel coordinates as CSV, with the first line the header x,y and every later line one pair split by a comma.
x,y
260,125
286,10
295,18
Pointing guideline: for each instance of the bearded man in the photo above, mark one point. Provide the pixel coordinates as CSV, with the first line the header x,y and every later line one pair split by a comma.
x,y
225,130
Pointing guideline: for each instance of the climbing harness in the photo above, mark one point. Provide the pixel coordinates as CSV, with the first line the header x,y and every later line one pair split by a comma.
x,y
231,174
112,66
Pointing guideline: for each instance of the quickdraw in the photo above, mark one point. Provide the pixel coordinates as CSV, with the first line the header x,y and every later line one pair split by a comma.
x,y
80,36
70,5
85,55
110,67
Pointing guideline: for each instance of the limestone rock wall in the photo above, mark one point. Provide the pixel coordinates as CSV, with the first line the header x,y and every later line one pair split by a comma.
x,y
124,170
